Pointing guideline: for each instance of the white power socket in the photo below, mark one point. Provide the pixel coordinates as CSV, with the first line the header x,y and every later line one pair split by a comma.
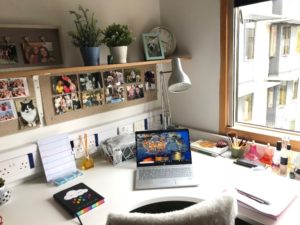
x,y
139,125
14,167
78,143
125,129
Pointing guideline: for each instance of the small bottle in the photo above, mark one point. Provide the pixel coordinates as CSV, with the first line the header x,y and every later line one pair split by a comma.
x,y
276,157
268,155
290,157
283,166
252,153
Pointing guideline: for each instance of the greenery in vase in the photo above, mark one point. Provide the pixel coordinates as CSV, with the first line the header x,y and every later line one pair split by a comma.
x,y
2,182
87,34
117,35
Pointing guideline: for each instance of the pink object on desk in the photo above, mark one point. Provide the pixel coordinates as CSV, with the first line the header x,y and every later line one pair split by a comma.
x,y
252,153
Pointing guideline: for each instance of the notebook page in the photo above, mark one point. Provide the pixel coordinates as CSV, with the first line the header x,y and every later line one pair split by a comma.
x,y
57,157
278,191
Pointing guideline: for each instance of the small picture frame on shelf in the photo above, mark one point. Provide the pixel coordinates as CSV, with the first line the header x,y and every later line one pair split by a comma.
x,y
152,46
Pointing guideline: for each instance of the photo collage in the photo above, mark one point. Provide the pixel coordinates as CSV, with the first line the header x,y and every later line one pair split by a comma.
x,y
16,103
78,91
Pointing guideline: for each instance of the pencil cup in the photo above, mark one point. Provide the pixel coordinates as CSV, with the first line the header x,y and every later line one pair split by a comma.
x,y
237,152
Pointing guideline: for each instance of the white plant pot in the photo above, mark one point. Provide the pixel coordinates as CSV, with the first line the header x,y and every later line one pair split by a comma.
x,y
119,54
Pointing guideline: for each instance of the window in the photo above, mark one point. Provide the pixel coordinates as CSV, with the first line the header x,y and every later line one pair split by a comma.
x,y
259,98
286,35
249,40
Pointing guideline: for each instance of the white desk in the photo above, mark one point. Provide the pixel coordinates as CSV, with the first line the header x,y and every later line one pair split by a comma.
x,y
32,202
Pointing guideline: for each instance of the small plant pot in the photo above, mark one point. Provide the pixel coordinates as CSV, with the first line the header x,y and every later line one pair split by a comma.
x,y
237,153
119,54
5,195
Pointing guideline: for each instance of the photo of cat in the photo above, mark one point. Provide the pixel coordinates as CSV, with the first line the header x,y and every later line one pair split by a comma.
x,y
28,113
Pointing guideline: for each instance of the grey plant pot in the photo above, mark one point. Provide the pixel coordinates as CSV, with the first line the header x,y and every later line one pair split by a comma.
x,y
90,55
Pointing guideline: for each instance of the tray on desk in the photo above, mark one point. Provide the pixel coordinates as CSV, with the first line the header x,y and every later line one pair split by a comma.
x,y
209,147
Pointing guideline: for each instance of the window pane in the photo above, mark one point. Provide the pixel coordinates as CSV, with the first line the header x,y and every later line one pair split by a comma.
x,y
268,33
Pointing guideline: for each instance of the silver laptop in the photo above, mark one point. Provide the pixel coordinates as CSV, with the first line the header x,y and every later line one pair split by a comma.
x,y
164,159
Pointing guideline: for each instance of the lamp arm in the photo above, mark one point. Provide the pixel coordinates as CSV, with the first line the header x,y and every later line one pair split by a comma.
x,y
165,102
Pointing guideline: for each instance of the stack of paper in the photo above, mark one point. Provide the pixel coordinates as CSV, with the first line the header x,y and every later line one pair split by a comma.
x,y
266,193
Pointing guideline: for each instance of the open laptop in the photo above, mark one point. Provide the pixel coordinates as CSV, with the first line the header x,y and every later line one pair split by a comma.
x,y
164,159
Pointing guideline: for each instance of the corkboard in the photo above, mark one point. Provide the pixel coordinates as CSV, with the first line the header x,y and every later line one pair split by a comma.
x,y
53,113
14,125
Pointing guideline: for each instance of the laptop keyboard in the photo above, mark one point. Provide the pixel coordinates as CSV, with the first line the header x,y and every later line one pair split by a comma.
x,y
165,172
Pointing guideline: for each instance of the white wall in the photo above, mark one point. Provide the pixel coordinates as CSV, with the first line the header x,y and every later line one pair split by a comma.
x,y
196,25
139,15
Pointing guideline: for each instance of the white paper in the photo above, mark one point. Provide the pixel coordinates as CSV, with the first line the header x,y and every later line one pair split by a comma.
x,y
57,158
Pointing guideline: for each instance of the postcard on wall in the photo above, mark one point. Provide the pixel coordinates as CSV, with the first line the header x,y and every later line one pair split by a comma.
x,y
38,52
7,110
76,103
135,91
8,53
132,75
115,77
64,84
92,98
13,88
90,81
150,80
27,113
114,94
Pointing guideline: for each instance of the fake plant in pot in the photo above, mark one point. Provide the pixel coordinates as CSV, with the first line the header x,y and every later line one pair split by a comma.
x,y
87,36
117,37
5,194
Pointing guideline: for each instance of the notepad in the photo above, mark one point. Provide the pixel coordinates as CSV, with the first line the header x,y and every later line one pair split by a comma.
x,y
57,158
277,191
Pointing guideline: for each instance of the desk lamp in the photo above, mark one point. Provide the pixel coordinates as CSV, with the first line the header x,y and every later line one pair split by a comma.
x,y
178,82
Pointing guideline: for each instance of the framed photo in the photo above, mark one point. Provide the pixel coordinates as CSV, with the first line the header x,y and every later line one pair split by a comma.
x,y
64,84
132,75
114,94
38,52
152,46
90,81
8,53
115,77
92,98
135,91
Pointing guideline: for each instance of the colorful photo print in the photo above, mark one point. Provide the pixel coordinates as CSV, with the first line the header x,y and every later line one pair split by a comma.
x,y
7,110
76,104
150,80
92,98
8,53
135,91
90,81
38,52
114,94
64,84
27,113
13,88
63,104
132,75
115,77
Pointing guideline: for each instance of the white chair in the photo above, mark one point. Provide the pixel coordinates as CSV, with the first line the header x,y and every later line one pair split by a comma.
x,y
219,211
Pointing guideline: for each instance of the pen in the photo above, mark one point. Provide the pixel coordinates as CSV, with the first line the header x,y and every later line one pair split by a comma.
x,y
257,199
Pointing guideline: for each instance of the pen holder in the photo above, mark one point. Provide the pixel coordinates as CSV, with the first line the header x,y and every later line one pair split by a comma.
x,y
237,152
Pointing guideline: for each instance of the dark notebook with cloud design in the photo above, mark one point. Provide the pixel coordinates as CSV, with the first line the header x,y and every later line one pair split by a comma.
x,y
78,199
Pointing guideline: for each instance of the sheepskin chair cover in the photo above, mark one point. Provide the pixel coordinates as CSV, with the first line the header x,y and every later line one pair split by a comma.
x,y
221,210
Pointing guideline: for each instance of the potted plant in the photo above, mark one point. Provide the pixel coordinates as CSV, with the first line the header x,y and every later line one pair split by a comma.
x,y
4,193
117,37
87,36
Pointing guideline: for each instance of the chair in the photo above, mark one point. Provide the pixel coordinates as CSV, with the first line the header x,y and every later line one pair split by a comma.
x,y
221,210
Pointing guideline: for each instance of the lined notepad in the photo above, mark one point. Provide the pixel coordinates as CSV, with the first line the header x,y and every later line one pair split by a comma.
x,y
57,158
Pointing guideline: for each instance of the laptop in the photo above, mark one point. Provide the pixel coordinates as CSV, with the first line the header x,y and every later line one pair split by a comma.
x,y
163,159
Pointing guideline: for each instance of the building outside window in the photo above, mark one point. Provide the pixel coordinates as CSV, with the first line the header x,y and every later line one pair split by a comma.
x,y
266,87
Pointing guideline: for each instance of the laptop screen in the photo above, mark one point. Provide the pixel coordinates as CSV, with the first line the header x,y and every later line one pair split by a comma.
x,y
163,147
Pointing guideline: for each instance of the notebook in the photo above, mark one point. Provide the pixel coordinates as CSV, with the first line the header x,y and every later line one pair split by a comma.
x,y
164,159
78,199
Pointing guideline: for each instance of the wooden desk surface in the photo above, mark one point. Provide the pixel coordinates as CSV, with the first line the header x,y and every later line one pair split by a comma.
x,y
32,202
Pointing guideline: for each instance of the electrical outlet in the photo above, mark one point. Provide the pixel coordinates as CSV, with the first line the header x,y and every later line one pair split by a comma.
x,y
15,166
139,125
125,129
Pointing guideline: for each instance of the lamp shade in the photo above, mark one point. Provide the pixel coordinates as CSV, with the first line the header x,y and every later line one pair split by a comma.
x,y
178,81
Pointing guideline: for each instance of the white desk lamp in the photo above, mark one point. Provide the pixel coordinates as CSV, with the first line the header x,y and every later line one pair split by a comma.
x,y
178,82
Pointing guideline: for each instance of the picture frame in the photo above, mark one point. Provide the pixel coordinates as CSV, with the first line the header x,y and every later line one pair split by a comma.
x,y
152,46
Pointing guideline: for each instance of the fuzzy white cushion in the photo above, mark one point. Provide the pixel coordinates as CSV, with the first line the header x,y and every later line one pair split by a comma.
x,y
219,211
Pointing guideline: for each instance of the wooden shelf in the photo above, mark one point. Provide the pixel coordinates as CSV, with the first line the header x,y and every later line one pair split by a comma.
x,y
48,71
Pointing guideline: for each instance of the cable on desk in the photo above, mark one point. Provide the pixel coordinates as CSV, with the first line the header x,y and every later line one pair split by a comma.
x,y
80,222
